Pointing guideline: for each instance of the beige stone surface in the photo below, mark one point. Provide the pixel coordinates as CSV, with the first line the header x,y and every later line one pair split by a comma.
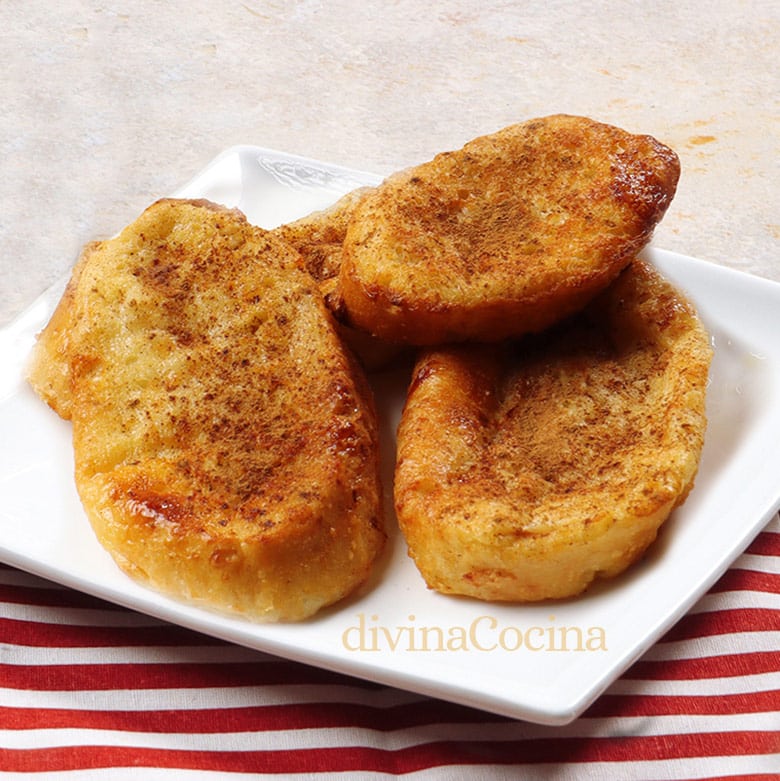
x,y
109,105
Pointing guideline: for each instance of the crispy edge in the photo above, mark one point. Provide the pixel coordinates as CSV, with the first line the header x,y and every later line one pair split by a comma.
x,y
423,315
453,395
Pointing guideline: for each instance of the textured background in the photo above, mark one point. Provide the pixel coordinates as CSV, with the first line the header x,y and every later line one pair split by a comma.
x,y
107,106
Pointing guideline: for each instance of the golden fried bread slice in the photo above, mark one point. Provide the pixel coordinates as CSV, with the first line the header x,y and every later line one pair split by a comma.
x,y
505,236
319,238
527,470
225,442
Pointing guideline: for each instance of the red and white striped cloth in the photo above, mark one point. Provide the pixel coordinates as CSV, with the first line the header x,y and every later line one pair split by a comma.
x,y
93,691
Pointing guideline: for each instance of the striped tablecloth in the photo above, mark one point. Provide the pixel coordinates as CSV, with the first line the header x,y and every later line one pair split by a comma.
x,y
89,687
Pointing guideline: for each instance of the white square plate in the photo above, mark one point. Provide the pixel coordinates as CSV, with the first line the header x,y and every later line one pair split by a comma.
x,y
543,663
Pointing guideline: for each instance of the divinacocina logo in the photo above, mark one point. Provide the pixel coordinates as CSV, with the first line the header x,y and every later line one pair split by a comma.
x,y
483,634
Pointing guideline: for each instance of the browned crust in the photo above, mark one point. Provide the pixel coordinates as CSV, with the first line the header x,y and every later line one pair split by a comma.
x,y
226,443
319,238
509,234
525,471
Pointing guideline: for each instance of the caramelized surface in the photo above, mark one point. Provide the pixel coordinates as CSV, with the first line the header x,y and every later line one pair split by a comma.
x,y
505,236
319,238
527,470
225,442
